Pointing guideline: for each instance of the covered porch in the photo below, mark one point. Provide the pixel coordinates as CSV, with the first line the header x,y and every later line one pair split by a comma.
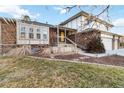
x,y
59,41
59,35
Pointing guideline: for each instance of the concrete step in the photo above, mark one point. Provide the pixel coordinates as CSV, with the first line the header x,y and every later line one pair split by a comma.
x,y
61,49
66,45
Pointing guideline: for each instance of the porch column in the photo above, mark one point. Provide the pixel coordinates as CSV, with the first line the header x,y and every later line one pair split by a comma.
x,y
113,42
57,34
119,42
65,35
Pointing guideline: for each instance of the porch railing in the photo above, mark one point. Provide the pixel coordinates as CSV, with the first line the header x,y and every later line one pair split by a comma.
x,y
72,42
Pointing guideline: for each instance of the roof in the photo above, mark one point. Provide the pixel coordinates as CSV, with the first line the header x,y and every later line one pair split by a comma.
x,y
104,32
82,13
71,29
48,25
37,23
13,21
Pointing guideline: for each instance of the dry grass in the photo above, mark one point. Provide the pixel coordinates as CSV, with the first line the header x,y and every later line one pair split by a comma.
x,y
27,72
20,51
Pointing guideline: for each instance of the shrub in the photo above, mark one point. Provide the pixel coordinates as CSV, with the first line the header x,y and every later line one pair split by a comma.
x,y
122,44
95,46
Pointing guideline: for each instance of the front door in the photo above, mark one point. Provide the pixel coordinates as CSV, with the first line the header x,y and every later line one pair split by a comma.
x,y
62,38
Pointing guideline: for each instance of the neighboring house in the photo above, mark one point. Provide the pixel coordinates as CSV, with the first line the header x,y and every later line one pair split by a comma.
x,y
82,21
20,32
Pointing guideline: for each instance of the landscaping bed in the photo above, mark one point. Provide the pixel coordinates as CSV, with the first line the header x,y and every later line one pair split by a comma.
x,y
108,60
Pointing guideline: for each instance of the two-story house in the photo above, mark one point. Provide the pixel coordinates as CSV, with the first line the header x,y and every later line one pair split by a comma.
x,y
83,21
20,32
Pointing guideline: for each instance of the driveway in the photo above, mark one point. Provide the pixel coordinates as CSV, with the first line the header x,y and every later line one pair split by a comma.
x,y
108,52
117,52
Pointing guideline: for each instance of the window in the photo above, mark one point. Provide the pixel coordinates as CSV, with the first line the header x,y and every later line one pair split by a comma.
x,y
31,30
38,36
44,36
31,35
22,29
38,30
22,33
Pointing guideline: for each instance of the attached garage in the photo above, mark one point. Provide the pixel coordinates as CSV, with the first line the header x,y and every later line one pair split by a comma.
x,y
116,44
110,40
107,43
116,41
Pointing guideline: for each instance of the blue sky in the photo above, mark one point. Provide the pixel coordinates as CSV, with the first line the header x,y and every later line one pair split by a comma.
x,y
55,14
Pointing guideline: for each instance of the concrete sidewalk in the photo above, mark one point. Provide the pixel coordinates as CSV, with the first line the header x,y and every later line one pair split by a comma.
x,y
119,52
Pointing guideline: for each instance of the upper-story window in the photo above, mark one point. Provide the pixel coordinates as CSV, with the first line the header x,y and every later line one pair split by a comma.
x,y
31,30
38,30
22,29
22,33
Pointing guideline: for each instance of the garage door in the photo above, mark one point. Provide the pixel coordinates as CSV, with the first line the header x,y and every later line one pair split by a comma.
x,y
116,44
107,43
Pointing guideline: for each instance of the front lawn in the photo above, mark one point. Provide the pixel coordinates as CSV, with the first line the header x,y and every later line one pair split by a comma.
x,y
29,72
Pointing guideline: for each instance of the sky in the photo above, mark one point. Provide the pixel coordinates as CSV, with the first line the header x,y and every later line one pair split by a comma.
x,y
55,14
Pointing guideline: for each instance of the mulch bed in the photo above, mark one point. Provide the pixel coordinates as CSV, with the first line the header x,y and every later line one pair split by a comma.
x,y
71,57
108,60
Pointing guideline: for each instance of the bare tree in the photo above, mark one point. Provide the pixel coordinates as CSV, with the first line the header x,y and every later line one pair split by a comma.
x,y
104,9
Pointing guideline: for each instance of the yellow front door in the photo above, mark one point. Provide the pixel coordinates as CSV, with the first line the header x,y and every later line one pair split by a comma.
x,y
62,36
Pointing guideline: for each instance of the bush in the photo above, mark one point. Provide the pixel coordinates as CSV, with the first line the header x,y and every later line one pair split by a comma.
x,y
121,44
95,46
